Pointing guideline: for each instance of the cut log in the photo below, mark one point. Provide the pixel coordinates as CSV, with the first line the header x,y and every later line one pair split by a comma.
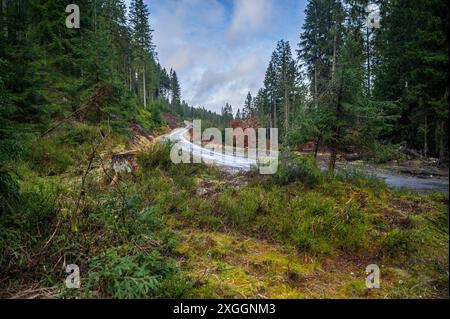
x,y
124,162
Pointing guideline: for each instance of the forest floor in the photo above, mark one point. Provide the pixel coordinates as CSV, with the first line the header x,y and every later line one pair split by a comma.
x,y
194,231
233,263
230,263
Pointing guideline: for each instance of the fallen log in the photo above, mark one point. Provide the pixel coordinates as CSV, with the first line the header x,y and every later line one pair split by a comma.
x,y
352,157
412,152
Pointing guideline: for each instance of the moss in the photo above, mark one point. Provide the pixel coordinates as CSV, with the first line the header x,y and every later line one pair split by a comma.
x,y
247,237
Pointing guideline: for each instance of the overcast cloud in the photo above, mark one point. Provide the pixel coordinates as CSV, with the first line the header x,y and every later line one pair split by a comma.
x,y
220,49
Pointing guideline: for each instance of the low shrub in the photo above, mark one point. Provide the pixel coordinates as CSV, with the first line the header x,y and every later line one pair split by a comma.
x,y
10,196
382,153
241,207
75,133
25,225
293,168
312,222
151,117
48,157
129,273
184,174
360,178
157,155
162,192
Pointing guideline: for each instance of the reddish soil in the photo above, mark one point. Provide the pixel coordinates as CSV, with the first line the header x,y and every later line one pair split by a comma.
x,y
172,121
249,123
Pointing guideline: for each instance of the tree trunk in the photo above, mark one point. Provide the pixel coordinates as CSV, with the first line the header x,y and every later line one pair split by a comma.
x,y
129,73
5,18
286,112
316,149
441,142
333,156
368,62
144,88
333,65
275,113
315,86
130,79
337,135
425,138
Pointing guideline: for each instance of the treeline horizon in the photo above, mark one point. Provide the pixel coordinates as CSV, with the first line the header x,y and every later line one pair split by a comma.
x,y
49,70
343,85
351,84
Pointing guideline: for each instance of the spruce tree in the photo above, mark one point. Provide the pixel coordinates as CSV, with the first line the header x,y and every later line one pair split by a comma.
x,y
320,43
287,75
412,51
270,88
175,89
247,111
143,47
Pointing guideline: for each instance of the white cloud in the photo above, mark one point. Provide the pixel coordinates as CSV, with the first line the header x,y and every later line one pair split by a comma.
x,y
216,87
250,63
250,16
220,51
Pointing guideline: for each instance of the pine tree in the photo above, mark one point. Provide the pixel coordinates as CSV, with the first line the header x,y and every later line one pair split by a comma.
x,y
346,117
320,42
238,114
287,75
116,23
143,47
247,110
164,84
270,89
412,49
175,89
261,108
227,114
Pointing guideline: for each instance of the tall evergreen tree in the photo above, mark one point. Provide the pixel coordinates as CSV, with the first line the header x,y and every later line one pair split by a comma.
x,y
412,48
238,114
227,114
247,110
143,47
320,42
287,75
270,88
175,88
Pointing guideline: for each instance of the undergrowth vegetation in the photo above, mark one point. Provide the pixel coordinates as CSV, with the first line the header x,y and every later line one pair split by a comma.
x,y
59,208
297,168
382,153
347,214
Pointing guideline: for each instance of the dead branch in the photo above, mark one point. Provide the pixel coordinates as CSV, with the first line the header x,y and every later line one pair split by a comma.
x,y
53,234
83,179
97,98
58,124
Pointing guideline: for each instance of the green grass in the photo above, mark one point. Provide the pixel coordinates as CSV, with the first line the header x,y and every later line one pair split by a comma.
x,y
129,239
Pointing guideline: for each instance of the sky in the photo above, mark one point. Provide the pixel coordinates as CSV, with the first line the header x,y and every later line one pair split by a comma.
x,y
220,49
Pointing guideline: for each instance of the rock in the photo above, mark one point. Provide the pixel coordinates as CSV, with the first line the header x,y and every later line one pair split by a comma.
x,y
201,191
